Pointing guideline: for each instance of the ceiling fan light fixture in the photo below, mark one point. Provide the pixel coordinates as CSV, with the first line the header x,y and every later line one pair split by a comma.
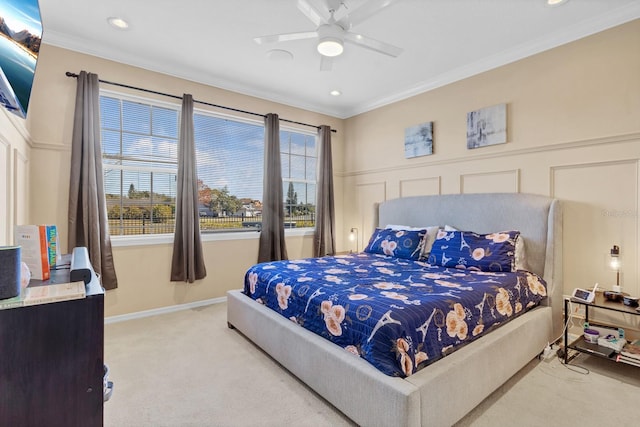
x,y
330,46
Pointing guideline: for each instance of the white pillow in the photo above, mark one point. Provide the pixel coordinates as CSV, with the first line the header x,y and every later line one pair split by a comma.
x,y
521,260
404,227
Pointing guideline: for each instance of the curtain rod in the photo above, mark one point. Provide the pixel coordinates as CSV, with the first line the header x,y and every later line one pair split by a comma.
x,y
74,75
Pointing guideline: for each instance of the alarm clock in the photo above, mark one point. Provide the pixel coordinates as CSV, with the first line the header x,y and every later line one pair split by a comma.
x,y
583,295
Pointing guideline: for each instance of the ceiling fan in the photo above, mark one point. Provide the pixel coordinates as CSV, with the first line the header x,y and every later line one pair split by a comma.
x,y
333,22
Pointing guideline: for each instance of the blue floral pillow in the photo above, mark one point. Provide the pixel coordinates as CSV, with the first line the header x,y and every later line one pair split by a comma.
x,y
484,252
397,243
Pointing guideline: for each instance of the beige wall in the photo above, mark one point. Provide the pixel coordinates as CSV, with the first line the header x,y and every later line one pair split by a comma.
x,y
143,271
573,133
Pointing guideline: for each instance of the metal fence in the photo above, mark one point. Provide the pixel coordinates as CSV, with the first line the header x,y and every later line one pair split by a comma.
x,y
163,225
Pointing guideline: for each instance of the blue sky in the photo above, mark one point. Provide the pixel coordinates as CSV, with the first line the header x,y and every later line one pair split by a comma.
x,y
235,159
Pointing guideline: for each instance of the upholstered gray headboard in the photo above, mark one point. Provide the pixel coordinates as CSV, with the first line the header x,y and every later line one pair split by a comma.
x,y
538,218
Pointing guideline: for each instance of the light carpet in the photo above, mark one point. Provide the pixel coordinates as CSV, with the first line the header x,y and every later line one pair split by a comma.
x,y
187,368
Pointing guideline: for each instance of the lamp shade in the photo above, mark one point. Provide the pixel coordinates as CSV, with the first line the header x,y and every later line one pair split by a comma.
x,y
353,236
330,38
614,264
614,261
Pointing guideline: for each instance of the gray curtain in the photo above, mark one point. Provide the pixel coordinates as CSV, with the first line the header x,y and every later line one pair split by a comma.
x,y
324,237
272,245
88,225
187,264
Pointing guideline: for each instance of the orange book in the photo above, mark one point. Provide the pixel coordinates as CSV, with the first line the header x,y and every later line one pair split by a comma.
x,y
34,249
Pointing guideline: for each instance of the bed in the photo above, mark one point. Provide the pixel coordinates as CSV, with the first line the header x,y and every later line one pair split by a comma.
x,y
448,388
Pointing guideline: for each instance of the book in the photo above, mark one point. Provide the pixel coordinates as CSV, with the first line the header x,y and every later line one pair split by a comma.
x,y
12,302
52,245
631,350
54,292
35,250
615,343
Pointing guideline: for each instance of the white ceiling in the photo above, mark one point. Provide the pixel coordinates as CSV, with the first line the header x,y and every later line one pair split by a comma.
x,y
211,41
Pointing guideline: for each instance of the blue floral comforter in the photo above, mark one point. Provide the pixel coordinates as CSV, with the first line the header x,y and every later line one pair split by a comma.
x,y
398,314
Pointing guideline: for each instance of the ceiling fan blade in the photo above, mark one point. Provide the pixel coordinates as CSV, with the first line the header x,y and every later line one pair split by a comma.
x,y
365,11
373,44
316,14
326,63
285,37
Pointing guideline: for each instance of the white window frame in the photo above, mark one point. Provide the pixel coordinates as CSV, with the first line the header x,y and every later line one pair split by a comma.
x,y
167,238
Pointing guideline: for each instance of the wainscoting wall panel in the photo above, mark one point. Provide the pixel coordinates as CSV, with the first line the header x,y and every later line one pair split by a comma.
x,y
596,179
5,191
490,182
20,188
367,197
600,212
420,186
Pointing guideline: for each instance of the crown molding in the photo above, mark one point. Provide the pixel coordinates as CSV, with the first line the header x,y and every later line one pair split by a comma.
x,y
100,50
575,32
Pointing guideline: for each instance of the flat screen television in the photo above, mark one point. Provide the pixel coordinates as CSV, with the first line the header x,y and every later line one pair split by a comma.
x,y
20,36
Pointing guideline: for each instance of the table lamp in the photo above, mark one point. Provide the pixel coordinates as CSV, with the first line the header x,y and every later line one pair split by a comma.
x,y
614,263
353,236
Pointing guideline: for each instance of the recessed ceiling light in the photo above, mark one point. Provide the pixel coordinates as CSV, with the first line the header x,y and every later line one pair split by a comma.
x,y
118,23
335,92
555,2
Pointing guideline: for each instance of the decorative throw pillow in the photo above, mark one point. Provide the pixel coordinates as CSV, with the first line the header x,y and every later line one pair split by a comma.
x,y
466,249
397,243
521,260
431,232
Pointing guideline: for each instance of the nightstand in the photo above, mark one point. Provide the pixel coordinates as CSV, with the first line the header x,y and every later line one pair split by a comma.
x,y
580,344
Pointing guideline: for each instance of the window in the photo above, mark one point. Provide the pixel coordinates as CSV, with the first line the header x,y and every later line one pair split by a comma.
x,y
139,152
299,161
139,158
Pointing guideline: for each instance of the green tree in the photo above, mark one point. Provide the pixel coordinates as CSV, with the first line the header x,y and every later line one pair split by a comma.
x,y
291,204
223,202
204,194
133,212
114,212
161,213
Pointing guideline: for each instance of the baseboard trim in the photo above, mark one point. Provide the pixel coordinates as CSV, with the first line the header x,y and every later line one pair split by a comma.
x,y
163,310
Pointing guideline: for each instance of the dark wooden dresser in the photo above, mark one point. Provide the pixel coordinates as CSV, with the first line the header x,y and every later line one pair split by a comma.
x,y
51,362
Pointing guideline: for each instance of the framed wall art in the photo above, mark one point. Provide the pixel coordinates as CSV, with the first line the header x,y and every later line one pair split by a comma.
x,y
418,140
487,126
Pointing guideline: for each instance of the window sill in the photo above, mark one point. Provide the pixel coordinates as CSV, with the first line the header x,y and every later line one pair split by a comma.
x,y
164,239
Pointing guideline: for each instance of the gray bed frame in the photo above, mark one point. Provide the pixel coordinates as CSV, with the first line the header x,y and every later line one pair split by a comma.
x,y
442,393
